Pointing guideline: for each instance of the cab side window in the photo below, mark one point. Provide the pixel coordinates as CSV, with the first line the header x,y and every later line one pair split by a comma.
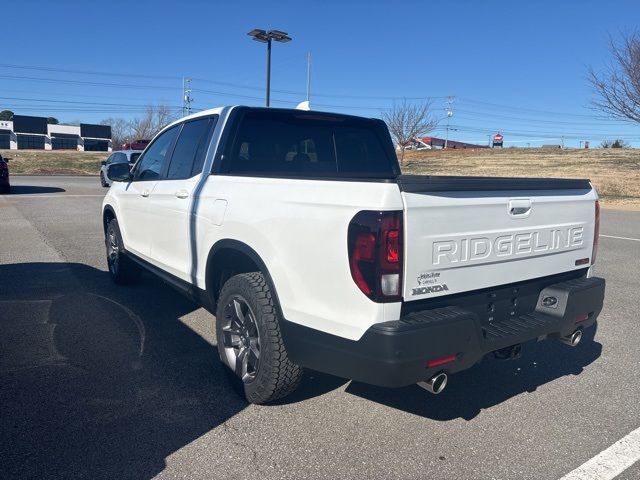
x,y
150,165
191,148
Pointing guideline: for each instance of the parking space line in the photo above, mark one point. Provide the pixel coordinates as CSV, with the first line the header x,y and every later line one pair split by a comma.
x,y
611,462
621,238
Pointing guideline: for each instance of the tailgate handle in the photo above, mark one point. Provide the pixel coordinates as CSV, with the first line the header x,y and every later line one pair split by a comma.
x,y
519,207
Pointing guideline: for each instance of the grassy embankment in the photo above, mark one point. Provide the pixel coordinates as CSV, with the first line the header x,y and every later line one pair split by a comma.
x,y
615,172
53,162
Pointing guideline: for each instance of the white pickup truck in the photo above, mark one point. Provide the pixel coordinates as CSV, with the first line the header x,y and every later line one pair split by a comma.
x,y
299,232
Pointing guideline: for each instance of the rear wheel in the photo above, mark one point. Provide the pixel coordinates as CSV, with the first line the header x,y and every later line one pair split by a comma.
x,y
121,268
250,343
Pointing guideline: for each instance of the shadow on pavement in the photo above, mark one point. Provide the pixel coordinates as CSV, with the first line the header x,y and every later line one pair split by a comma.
x,y
34,189
489,383
98,381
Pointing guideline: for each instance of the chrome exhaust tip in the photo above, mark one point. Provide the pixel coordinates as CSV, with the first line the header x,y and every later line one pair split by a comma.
x,y
435,384
573,339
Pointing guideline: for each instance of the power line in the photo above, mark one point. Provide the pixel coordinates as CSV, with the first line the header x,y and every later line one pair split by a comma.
x,y
76,102
87,72
471,115
498,112
523,109
213,82
85,82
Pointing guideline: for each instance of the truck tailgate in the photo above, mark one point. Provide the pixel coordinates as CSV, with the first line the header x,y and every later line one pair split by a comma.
x,y
469,233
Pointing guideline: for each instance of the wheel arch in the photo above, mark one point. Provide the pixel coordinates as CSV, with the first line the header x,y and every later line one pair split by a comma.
x,y
230,257
108,214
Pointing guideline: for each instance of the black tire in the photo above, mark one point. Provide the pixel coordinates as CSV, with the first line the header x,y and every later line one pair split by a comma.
x,y
122,269
5,190
103,182
274,376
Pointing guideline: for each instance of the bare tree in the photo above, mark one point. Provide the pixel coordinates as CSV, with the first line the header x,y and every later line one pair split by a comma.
x,y
406,121
618,87
120,130
154,119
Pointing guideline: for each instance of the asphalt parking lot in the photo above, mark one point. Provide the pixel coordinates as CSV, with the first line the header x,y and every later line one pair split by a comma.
x,y
99,381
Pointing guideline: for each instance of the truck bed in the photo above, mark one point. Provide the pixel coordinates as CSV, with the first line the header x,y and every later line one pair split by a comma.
x,y
468,233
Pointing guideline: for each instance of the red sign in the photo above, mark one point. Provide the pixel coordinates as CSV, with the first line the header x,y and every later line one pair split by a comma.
x,y
498,137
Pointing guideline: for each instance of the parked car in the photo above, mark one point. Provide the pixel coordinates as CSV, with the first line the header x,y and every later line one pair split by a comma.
x,y
5,185
299,231
136,145
122,156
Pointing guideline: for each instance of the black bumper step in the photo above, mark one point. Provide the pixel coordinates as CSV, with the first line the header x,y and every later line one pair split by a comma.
x,y
395,353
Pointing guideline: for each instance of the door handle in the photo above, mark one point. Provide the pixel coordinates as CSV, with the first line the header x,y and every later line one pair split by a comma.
x,y
519,207
145,193
182,194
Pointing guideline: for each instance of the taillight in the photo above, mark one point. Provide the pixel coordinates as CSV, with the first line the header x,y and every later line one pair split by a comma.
x,y
375,254
596,234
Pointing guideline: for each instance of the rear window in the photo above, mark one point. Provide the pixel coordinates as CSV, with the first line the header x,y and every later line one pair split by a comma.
x,y
309,144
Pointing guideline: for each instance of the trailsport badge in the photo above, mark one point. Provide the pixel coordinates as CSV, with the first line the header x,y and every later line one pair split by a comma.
x,y
429,283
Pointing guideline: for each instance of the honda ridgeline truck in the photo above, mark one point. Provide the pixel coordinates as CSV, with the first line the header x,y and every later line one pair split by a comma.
x,y
298,230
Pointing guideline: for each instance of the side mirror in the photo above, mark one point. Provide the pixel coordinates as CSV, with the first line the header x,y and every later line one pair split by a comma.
x,y
118,172
103,163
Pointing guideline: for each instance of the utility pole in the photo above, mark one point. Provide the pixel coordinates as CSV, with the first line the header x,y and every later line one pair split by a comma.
x,y
449,109
186,96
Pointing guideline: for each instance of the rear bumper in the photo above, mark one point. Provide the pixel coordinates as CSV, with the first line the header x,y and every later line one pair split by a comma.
x,y
395,353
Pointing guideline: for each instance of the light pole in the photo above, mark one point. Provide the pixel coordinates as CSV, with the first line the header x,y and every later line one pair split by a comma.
x,y
264,36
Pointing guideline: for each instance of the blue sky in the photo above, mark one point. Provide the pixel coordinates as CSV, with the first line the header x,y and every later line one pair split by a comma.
x,y
516,67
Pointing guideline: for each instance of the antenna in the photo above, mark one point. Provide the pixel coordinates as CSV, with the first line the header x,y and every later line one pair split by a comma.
x,y
308,75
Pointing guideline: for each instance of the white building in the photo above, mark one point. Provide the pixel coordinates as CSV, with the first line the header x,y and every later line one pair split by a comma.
x,y
34,133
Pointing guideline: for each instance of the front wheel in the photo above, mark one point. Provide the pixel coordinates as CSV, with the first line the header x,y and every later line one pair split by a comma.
x,y
249,340
103,182
122,269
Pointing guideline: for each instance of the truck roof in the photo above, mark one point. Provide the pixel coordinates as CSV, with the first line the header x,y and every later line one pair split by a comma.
x,y
219,110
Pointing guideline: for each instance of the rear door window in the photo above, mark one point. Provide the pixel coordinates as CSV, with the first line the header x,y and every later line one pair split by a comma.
x,y
310,144
190,150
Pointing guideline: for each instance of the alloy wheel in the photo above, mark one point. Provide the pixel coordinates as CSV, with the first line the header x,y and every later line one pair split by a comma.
x,y
241,339
112,251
